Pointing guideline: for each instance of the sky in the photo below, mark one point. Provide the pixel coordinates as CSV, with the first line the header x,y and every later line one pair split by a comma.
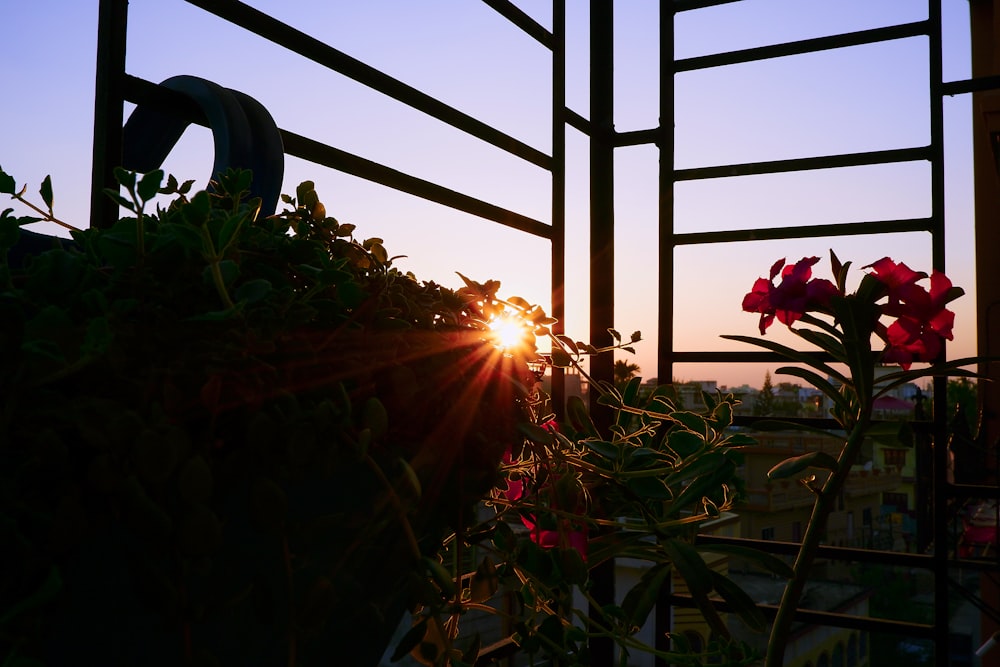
x,y
463,52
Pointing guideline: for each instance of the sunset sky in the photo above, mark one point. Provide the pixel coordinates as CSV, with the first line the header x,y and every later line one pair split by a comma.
x,y
463,52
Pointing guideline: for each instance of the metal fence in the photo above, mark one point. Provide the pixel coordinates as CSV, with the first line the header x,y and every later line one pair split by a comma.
x,y
115,86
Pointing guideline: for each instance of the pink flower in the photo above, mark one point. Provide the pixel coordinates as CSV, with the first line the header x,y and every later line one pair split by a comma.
x,y
796,295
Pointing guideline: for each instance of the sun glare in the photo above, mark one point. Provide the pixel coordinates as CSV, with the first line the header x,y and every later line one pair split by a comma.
x,y
508,331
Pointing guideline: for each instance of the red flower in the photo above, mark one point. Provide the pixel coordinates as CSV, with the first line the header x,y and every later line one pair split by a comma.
x,y
796,295
566,534
922,321
907,341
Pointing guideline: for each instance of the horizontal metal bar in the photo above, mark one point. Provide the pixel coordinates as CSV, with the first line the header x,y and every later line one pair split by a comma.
x,y
827,618
974,490
806,163
576,120
688,5
875,556
528,25
975,85
637,137
806,231
734,357
139,91
800,47
295,40
314,151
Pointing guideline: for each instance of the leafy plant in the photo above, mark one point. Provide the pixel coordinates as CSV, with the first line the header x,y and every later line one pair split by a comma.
x,y
842,326
243,440
226,434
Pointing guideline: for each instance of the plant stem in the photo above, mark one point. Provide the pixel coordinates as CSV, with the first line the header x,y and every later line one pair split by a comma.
x,y
825,503
48,217
213,261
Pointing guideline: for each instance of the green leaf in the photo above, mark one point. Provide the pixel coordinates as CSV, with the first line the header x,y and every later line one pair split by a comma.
x,y
797,464
411,639
857,319
46,192
229,269
608,450
10,231
7,184
440,574
197,211
125,177
651,488
692,421
642,597
374,416
118,199
704,486
791,354
253,290
535,433
579,417
768,561
149,185
740,602
614,334
823,341
560,359
698,577
949,369
685,443
817,381
485,581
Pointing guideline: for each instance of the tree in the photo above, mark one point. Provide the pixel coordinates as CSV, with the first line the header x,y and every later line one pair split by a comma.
x,y
625,371
763,402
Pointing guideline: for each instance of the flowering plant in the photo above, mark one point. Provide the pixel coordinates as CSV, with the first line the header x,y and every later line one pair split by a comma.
x,y
573,497
842,326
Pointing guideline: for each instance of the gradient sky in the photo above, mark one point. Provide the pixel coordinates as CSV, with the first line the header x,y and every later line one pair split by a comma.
x,y
857,99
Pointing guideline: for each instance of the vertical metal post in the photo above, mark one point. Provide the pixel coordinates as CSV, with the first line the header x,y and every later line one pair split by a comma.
x,y
602,196
602,255
665,143
665,254
940,384
108,109
559,191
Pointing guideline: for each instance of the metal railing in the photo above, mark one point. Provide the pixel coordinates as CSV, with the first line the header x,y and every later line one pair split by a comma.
x,y
115,86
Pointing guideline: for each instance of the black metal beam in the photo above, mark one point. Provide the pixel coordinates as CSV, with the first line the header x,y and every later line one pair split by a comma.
x,y
889,156
637,137
138,91
295,40
804,46
602,262
577,121
806,231
528,25
974,85
829,618
108,112
558,248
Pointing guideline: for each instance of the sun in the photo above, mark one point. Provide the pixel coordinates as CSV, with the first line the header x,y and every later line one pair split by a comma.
x,y
508,331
